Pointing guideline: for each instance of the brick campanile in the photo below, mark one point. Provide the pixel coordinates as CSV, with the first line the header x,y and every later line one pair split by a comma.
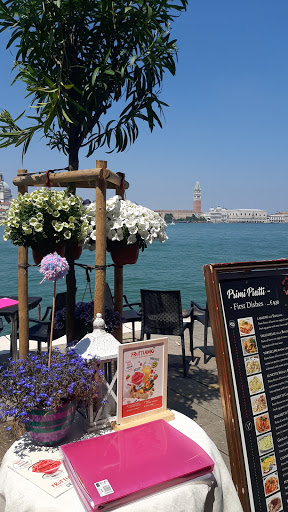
x,y
197,198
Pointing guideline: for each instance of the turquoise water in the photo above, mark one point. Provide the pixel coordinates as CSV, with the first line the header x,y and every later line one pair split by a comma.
x,y
176,264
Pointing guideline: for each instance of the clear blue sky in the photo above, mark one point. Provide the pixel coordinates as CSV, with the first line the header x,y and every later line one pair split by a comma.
x,y
227,123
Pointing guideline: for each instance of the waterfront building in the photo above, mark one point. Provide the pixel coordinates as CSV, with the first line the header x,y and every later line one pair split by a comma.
x,y
216,214
5,196
278,217
197,198
246,215
236,215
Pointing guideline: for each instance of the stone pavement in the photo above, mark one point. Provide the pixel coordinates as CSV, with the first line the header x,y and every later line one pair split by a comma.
x,y
197,395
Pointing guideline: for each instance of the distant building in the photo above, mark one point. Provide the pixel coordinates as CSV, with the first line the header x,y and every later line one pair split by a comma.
x,y
216,214
278,217
197,198
240,215
5,196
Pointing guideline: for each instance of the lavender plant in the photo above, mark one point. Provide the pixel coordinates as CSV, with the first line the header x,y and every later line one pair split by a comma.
x,y
29,384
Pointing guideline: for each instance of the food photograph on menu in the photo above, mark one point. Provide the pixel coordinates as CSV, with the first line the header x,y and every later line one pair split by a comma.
x,y
246,326
271,484
255,384
252,365
274,503
259,403
249,345
262,423
268,464
265,443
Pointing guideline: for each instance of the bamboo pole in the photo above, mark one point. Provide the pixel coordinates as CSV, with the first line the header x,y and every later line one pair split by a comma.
x,y
23,291
100,257
118,284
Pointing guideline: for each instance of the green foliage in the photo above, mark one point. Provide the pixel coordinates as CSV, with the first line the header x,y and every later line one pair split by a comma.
x,y
168,217
78,57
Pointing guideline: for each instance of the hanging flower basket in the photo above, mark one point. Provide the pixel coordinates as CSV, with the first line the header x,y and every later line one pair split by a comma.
x,y
38,255
123,254
48,427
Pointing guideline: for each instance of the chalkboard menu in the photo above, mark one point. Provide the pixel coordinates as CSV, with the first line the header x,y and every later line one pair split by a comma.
x,y
248,308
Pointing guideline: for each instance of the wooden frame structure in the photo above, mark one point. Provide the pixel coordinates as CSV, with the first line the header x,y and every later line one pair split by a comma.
x,y
101,179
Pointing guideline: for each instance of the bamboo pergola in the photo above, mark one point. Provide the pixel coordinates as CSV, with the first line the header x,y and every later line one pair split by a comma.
x,y
101,179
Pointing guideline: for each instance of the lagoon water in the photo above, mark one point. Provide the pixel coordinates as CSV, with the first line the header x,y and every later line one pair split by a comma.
x,y
176,264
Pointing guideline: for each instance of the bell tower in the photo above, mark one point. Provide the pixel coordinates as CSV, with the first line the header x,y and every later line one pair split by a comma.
x,y
197,198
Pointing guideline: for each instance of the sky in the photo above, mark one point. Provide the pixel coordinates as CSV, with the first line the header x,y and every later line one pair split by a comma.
x,y
227,121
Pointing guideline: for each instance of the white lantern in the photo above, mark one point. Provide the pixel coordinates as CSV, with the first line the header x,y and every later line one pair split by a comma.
x,y
104,346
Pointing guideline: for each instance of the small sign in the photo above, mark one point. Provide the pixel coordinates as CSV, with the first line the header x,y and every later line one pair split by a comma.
x,y
142,380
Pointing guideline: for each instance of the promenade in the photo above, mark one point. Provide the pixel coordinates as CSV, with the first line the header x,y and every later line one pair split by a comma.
x,y
196,396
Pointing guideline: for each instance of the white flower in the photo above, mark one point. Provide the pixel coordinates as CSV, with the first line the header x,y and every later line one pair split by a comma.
x,y
127,221
67,234
38,227
33,221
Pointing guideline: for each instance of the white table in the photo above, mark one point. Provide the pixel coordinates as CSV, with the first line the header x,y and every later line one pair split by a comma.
x,y
215,494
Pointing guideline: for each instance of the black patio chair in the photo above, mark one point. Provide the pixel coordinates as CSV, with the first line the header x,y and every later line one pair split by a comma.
x,y
42,328
129,315
161,313
200,314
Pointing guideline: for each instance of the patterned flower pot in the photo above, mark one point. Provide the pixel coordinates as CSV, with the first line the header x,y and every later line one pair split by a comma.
x,y
123,254
49,428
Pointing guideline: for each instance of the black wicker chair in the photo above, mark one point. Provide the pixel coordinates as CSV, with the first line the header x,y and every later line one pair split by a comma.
x,y
201,315
42,328
162,314
129,315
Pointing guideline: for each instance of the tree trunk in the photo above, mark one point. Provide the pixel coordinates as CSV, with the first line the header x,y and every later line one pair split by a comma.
x,y
70,278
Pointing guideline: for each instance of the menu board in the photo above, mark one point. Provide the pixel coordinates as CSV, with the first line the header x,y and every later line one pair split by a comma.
x,y
254,305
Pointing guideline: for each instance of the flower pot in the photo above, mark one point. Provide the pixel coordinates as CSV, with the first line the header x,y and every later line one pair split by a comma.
x,y
48,427
38,254
76,251
123,254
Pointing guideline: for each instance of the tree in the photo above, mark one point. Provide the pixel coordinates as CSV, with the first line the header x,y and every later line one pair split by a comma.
x,y
77,59
168,217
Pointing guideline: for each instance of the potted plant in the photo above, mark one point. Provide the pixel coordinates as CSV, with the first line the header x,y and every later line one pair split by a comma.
x,y
84,316
129,227
45,220
42,399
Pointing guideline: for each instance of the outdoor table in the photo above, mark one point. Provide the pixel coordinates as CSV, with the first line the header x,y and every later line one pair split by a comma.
x,y
10,314
213,493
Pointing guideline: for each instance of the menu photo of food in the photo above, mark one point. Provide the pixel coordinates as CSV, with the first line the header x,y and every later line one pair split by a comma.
x,y
259,403
252,365
262,423
274,503
271,484
265,443
249,345
246,326
268,464
255,384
